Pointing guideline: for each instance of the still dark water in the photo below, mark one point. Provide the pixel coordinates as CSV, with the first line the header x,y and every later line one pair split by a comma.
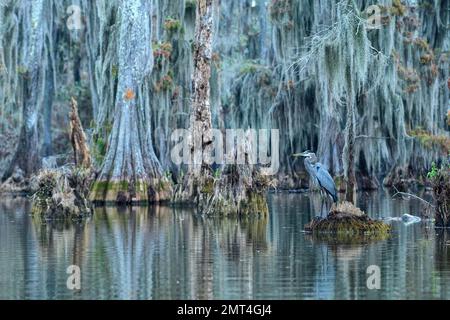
x,y
165,253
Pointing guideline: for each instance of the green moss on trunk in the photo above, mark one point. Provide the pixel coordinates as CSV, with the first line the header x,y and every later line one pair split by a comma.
x,y
126,192
222,205
255,204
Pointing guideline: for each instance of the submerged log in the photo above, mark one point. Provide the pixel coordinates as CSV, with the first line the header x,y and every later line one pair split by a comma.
x,y
345,218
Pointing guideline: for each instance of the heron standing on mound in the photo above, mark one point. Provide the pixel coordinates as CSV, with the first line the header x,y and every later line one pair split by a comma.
x,y
319,174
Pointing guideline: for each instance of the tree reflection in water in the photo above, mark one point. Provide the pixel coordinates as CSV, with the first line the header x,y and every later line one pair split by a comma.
x,y
164,252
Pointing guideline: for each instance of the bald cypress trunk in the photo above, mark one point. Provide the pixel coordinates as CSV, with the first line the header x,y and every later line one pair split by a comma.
x,y
200,125
131,173
47,113
349,155
26,156
234,190
200,117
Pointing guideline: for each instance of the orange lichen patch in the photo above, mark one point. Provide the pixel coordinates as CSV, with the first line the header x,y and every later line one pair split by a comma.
x,y
129,94
429,140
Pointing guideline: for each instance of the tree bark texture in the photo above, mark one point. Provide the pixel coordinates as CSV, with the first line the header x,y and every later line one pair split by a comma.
x,y
349,155
26,156
131,173
200,140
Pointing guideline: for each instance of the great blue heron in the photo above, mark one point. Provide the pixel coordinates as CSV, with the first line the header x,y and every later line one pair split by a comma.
x,y
320,176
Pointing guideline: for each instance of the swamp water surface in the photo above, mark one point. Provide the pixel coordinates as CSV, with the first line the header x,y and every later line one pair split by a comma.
x,y
166,253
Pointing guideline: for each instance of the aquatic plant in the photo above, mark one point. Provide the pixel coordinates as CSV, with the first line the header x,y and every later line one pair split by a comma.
x,y
440,180
432,174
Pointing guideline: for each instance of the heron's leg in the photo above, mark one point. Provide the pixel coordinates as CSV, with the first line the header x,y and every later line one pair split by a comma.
x,y
321,208
327,203
322,203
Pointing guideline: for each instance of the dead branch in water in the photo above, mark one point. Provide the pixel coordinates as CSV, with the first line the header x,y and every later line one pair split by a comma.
x,y
405,194
78,138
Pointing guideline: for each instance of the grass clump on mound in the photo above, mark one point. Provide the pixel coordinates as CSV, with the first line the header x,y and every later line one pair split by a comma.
x,y
62,193
345,218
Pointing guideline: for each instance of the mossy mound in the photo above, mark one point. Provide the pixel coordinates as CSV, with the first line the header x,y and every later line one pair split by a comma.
x,y
346,219
62,194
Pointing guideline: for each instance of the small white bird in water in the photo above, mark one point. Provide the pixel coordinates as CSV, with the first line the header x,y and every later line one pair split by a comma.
x,y
407,219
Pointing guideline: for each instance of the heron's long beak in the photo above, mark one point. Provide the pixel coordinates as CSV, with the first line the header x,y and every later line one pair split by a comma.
x,y
301,154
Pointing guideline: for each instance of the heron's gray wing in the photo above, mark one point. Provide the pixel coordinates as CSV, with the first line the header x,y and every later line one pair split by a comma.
x,y
325,180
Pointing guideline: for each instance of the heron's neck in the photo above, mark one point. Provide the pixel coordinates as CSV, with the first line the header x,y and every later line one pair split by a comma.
x,y
308,165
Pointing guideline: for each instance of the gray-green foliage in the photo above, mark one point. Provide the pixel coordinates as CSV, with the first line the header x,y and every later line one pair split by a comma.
x,y
322,55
